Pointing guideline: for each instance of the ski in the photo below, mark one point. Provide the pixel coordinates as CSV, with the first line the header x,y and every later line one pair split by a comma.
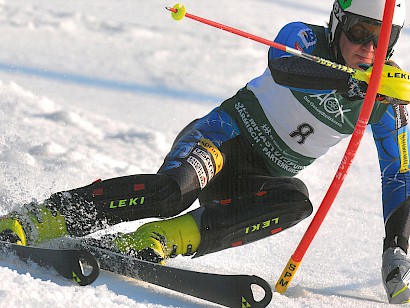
x,y
226,290
66,262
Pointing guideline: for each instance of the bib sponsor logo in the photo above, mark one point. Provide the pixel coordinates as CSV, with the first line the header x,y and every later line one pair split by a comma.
x,y
261,134
331,108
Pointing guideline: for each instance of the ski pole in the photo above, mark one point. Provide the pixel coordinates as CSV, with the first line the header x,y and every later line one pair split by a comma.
x,y
178,11
394,78
290,270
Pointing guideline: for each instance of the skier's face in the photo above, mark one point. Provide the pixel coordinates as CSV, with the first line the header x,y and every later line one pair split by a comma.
x,y
355,54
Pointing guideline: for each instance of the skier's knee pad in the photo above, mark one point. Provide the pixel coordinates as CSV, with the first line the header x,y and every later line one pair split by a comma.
x,y
108,202
278,185
273,209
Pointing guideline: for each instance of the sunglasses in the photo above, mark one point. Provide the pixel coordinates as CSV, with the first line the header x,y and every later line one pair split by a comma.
x,y
361,30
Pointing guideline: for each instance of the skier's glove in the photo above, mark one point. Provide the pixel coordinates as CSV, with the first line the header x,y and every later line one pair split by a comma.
x,y
394,85
357,89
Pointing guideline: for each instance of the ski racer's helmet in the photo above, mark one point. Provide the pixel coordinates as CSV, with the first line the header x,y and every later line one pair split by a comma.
x,y
360,20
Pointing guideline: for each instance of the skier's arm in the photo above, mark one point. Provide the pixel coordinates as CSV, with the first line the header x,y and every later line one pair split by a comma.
x,y
391,136
301,74
298,73
307,76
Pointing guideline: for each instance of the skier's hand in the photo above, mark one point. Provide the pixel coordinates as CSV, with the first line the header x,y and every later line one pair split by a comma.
x,y
357,89
394,85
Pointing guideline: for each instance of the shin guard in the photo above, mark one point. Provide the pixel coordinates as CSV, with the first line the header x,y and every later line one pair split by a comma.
x,y
112,201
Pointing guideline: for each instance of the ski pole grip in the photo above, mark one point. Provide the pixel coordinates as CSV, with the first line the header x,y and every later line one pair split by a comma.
x,y
287,275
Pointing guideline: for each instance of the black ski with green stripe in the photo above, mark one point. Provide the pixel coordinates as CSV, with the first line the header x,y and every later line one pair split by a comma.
x,y
66,262
226,290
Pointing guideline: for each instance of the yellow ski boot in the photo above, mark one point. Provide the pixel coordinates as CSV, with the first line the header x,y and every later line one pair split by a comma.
x,y
160,240
34,224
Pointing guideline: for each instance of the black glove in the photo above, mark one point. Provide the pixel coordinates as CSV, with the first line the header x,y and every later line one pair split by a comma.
x,y
357,89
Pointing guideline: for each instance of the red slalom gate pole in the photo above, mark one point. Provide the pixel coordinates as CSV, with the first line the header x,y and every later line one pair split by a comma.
x,y
295,260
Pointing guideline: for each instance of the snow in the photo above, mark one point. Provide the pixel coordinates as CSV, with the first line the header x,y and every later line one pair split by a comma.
x,y
99,89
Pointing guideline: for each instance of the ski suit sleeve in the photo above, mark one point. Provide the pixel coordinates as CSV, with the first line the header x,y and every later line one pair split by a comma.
x,y
296,35
301,74
392,139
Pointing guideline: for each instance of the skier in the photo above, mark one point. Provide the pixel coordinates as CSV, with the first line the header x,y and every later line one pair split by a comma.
x,y
241,159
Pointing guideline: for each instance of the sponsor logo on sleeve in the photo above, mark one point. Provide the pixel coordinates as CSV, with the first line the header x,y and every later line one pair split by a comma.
x,y
214,151
200,172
